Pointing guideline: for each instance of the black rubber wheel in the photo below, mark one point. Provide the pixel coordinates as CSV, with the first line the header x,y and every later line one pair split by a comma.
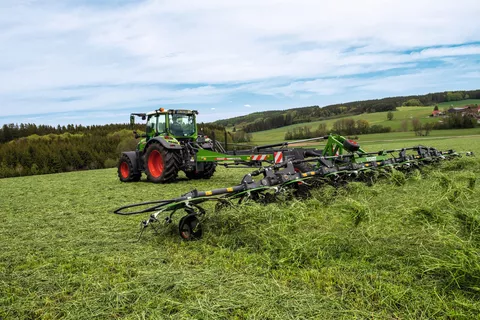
x,y
161,165
351,145
125,170
193,174
207,173
190,228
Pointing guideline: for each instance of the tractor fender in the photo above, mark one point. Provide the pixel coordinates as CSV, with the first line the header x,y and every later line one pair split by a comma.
x,y
134,159
164,143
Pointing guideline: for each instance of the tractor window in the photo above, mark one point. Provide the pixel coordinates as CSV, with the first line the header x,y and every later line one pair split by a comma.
x,y
156,124
182,125
151,126
161,124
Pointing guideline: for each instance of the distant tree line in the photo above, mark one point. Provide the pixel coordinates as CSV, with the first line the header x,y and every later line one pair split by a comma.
x,y
346,127
12,131
457,121
267,123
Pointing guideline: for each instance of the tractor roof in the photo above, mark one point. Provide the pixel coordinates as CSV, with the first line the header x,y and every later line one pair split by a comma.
x,y
172,111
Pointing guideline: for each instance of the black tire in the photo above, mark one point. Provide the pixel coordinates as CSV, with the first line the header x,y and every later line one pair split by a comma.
x,y
125,170
194,175
303,167
161,165
207,173
190,228
351,145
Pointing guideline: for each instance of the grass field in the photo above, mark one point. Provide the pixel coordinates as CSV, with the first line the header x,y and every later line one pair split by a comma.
x,y
391,251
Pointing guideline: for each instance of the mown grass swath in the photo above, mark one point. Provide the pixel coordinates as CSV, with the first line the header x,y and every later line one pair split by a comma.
x,y
405,247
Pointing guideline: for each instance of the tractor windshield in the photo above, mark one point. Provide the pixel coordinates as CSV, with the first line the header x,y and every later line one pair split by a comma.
x,y
182,125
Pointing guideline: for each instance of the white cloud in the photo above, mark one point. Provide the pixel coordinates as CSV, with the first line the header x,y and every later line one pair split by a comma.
x,y
211,51
247,106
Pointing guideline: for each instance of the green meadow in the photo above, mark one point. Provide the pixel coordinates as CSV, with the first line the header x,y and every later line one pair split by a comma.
x,y
400,249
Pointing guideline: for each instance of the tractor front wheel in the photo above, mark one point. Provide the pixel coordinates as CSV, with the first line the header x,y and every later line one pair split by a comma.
x,y
160,164
125,170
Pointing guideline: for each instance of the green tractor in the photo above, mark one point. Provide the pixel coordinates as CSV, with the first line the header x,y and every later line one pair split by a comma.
x,y
169,145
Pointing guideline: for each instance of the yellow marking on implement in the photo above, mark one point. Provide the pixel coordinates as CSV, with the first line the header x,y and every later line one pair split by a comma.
x,y
229,189
304,174
248,158
312,173
379,163
208,193
367,165
204,158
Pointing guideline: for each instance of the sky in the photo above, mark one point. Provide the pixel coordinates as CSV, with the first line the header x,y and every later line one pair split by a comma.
x,y
96,61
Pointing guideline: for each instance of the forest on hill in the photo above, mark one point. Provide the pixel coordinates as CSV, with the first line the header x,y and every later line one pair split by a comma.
x,y
260,121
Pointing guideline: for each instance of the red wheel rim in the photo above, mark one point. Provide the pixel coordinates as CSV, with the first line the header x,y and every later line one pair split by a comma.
x,y
155,163
124,170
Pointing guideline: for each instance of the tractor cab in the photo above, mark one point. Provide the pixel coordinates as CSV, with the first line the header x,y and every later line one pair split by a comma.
x,y
172,125
179,124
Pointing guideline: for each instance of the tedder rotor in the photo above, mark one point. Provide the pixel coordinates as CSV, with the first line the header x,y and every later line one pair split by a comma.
x,y
341,161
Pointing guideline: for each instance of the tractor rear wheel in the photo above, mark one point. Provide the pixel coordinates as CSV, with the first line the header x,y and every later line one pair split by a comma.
x,y
125,170
160,164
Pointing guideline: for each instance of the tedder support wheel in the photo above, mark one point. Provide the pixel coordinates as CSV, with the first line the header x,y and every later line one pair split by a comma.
x,y
351,145
160,164
210,168
125,170
190,228
207,173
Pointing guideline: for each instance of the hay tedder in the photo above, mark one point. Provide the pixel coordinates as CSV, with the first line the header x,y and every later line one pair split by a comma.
x,y
290,173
